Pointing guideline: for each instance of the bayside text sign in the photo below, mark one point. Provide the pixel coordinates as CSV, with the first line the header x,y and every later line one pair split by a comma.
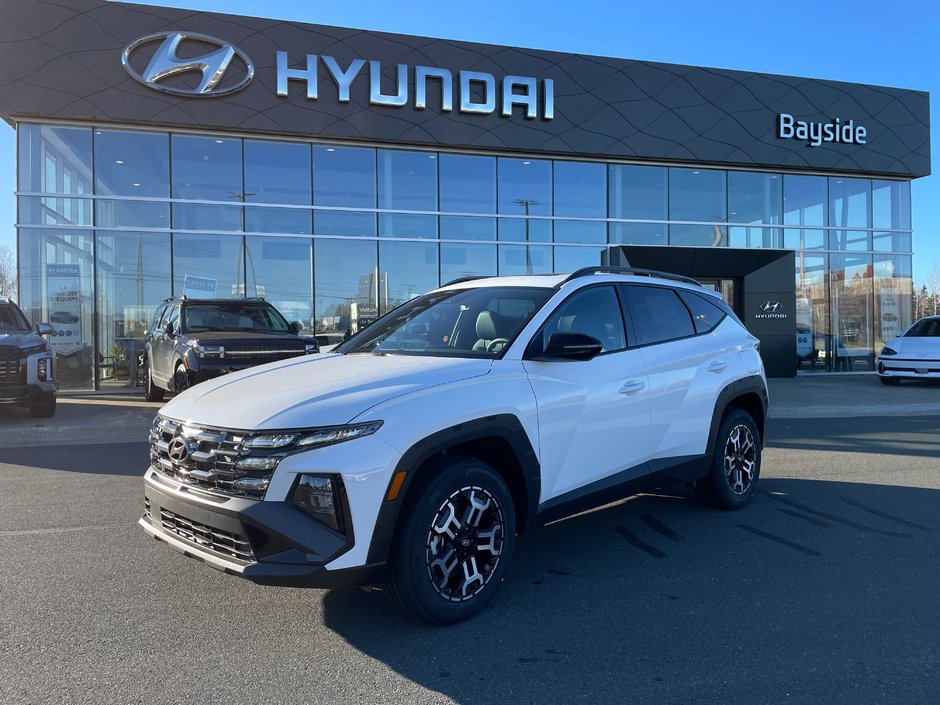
x,y
816,133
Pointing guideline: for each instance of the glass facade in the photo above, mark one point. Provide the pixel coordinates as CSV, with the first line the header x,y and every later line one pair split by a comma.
x,y
336,235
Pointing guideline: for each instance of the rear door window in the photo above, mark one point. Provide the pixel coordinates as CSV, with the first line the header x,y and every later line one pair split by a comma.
x,y
658,314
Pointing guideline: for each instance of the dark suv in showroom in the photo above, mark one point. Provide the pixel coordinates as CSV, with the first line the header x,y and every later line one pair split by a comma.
x,y
27,373
192,340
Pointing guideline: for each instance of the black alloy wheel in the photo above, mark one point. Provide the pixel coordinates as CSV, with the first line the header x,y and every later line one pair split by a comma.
x,y
454,542
735,464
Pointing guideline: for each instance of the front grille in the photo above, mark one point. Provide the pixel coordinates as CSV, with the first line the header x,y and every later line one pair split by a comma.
x,y
11,371
204,457
209,537
271,352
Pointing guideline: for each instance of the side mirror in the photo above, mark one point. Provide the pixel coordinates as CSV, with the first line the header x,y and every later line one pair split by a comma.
x,y
44,329
168,329
295,327
571,346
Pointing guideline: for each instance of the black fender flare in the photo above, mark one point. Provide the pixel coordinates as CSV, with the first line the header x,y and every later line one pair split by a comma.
x,y
506,427
753,384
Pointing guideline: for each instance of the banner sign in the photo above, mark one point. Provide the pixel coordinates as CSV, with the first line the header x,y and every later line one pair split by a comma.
x,y
199,287
64,304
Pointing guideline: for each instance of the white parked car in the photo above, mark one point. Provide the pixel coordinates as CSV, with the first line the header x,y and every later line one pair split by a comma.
x,y
915,354
412,456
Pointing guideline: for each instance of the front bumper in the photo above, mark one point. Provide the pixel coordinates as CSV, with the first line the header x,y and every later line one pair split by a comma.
x,y
26,394
270,543
908,368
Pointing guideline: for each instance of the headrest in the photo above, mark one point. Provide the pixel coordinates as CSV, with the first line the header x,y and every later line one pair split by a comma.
x,y
486,326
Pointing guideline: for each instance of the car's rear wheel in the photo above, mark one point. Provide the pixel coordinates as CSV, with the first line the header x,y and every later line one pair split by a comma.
x,y
735,463
454,542
151,391
890,381
43,409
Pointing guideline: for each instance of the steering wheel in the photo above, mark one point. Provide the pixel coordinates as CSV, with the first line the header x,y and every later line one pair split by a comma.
x,y
496,344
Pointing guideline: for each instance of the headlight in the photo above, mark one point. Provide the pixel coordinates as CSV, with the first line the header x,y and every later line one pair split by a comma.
x,y
887,352
43,347
318,497
208,350
313,438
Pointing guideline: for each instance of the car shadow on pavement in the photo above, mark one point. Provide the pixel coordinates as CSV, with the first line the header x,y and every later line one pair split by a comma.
x,y
98,459
895,435
815,587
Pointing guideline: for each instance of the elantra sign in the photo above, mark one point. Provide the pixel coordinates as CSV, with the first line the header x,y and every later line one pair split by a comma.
x,y
477,92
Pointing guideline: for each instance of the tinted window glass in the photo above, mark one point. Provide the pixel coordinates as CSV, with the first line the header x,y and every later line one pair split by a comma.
x,y
277,172
705,314
235,316
658,314
206,168
594,312
468,184
580,189
637,192
926,328
132,163
525,186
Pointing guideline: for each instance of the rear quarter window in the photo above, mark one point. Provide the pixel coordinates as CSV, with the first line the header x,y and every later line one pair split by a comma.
x,y
705,313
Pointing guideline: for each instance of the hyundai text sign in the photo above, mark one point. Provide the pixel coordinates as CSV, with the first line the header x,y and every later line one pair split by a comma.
x,y
169,60
816,133
222,69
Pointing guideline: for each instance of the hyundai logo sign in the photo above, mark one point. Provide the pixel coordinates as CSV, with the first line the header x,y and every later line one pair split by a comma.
x,y
165,64
771,309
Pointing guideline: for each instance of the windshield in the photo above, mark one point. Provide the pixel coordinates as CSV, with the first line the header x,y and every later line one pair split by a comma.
x,y
925,328
236,316
460,323
12,319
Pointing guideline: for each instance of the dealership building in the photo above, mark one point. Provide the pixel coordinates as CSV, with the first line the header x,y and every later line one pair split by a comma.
x,y
339,172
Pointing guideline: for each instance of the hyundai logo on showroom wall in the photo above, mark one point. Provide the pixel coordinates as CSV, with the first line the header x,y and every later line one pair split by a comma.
x,y
167,63
771,309
536,98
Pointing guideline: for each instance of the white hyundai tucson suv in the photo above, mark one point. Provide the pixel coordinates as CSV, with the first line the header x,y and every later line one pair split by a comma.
x,y
411,456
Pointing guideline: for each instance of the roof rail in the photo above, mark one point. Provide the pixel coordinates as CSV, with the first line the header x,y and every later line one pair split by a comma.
x,y
603,269
461,280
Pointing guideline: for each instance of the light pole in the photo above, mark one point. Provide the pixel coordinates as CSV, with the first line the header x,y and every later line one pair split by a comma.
x,y
525,203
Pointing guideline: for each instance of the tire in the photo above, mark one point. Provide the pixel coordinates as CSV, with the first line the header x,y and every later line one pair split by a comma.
x,y
181,379
151,391
735,466
890,381
440,523
44,409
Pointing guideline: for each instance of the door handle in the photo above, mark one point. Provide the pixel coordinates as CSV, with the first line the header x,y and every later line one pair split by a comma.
x,y
632,387
718,366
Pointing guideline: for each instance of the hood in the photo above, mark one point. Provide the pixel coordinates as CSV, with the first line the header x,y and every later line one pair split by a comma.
x,y
923,347
19,338
316,390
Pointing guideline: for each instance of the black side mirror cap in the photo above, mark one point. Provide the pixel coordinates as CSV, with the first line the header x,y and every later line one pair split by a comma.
x,y
571,346
168,329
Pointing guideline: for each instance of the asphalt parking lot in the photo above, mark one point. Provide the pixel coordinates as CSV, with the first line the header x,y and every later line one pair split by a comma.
x,y
823,590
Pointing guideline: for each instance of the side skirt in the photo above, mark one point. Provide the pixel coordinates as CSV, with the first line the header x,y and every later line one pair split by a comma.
x,y
626,483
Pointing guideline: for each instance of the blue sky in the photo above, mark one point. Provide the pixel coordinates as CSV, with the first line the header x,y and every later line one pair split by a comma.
x,y
891,44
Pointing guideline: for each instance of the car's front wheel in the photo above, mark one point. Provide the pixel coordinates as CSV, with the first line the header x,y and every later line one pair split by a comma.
x,y
44,408
454,542
181,379
735,465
